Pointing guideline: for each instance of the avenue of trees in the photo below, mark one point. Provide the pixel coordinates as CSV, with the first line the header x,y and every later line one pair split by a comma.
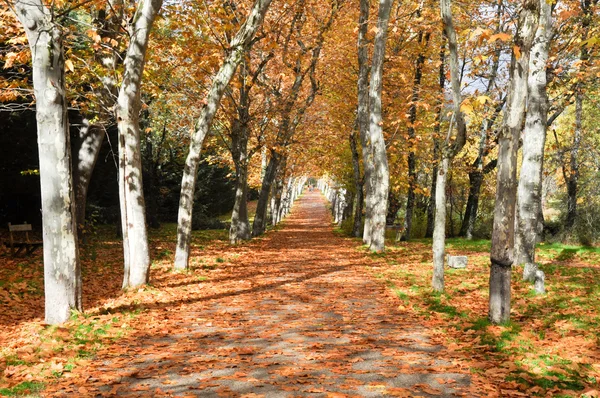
x,y
473,119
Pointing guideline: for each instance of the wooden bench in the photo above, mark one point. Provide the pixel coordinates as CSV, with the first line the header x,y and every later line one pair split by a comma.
x,y
17,245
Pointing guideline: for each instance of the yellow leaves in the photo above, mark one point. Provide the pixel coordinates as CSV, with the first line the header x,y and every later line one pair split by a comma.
x,y
517,52
505,37
467,108
69,65
9,60
483,99
13,58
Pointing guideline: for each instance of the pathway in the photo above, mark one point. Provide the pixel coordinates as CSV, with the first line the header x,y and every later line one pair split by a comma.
x,y
296,314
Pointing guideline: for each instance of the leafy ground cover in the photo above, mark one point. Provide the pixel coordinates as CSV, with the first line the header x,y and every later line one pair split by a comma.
x,y
33,354
550,347
302,312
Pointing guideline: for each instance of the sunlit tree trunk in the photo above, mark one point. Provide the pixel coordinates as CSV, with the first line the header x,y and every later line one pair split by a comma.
x,y
363,114
188,183
503,232
449,150
62,269
529,191
131,190
379,187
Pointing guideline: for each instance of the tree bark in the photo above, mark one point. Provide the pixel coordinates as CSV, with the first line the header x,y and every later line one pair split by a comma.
x,y
503,232
439,229
188,183
529,191
448,150
131,190
260,218
379,187
363,114
62,269
240,226
86,143
358,187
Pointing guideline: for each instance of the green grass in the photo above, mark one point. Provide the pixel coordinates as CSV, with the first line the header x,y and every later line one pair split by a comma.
x,y
22,389
531,342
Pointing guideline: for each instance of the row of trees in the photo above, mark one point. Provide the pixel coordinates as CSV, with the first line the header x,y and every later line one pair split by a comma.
x,y
277,94
48,33
499,84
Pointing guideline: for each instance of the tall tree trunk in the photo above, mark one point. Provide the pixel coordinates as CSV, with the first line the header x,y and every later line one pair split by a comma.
x,y
503,232
62,269
449,150
188,183
363,113
131,190
240,226
529,191
379,187
260,218
358,187
439,230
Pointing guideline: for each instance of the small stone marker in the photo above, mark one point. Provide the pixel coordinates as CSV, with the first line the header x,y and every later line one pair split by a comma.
x,y
539,284
457,261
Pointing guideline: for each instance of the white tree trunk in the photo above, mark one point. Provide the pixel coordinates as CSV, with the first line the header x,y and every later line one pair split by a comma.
x,y
439,226
62,270
448,150
363,115
188,183
380,182
503,232
529,190
131,191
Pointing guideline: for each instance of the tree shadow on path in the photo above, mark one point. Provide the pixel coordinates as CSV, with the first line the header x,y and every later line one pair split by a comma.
x,y
293,314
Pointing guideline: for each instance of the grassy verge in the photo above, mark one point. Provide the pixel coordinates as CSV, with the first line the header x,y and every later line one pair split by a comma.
x,y
550,347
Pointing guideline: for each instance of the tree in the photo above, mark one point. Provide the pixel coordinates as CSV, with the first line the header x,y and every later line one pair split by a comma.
x,y
131,192
448,150
292,107
377,188
239,136
503,232
237,47
529,191
62,269
362,114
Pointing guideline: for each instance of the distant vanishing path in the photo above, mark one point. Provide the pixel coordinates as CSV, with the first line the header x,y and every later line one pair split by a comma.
x,y
295,314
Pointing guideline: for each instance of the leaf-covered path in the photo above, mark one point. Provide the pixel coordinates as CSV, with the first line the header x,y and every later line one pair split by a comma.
x,y
295,313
